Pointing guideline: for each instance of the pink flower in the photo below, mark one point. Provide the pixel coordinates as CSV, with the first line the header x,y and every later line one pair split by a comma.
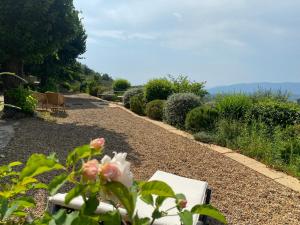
x,y
182,203
90,170
110,171
97,143
117,169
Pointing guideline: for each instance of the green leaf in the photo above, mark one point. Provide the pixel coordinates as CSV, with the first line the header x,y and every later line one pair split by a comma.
x,y
159,188
208,210
3,206
123,195
157,214
38,164
76,191
64,218
147,199
39,186
90,206
186,217
15,164
141,221
159,201
24,202
80,153
57,183
19,213
10,211
111,218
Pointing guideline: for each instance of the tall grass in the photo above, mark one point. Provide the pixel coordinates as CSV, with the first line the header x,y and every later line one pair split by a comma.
x,y
278,147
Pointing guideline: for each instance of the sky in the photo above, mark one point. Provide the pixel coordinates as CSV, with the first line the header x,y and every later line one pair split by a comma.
x,y
218,41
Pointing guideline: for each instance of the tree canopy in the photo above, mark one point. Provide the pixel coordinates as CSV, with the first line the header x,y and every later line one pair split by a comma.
x,y
31,30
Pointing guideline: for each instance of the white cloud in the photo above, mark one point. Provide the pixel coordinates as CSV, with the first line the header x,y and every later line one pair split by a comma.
x,y
178,16
121,35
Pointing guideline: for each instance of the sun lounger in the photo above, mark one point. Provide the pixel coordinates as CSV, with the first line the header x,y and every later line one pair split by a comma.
x,y
56,101
196,192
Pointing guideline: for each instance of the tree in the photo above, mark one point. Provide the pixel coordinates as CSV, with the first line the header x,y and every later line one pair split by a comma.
x,y
32,30
61,65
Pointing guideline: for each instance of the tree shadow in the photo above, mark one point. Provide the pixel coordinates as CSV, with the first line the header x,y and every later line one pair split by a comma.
x,y
75,102
38,136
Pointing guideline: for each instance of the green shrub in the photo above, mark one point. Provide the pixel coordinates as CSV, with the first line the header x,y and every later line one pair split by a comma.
x,y
23,99
158,89
154,109
178,105
276,113
51,85
183,85
130,93
202,118
137,104
121,85
205,137
234,106
65,86
227,132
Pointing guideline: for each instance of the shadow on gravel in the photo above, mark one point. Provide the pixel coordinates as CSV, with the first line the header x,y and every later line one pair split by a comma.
x,y
75,102
38,136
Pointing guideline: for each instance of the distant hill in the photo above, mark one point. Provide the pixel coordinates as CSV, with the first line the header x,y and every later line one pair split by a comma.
x,y
292,88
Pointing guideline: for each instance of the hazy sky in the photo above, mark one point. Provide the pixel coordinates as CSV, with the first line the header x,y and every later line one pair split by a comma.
x,y
218,41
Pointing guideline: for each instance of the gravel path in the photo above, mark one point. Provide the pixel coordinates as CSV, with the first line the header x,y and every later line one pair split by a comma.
x,y
243,195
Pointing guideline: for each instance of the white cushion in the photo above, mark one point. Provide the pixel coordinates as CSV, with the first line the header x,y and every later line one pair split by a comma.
x,y
76,203
194,190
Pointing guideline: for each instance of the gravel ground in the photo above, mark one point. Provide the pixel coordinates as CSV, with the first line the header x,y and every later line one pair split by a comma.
x,y
243,195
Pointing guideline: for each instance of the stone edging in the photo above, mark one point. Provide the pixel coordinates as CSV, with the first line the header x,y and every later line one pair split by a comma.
x,y
279,177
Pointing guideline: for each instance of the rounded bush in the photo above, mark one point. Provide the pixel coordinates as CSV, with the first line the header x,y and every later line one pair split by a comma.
x,y
178,105
202,118
121,85
137,104
158,89
154,109
130,93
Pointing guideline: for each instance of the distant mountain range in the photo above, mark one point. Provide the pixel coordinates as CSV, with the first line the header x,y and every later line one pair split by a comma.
x,y
292,88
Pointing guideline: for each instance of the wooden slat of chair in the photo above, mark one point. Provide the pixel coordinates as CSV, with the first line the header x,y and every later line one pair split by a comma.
x,y
42,99
56,101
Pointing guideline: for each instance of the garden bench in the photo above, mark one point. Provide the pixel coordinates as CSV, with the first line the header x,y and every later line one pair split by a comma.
x,y
196,192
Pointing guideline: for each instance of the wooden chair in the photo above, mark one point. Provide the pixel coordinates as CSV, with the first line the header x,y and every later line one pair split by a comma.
x,y
56,101
42,99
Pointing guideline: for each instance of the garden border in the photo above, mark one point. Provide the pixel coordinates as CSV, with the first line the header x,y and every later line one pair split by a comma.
x,y
279,177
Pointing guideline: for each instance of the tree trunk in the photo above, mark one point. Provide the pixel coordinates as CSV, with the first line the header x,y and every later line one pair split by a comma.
x,y
44,79
9,82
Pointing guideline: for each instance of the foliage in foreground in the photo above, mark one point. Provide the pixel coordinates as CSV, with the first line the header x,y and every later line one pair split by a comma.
x,y
109,180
